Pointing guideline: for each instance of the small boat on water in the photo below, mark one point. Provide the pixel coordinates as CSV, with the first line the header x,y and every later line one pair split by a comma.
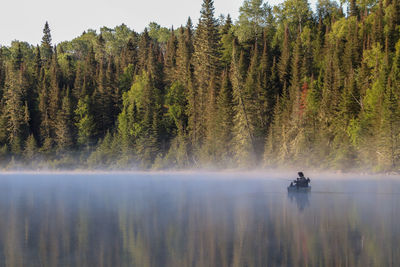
x,y
299,189
301,184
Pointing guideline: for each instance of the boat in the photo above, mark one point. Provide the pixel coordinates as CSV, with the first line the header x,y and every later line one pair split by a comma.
x,y
294,188
301,184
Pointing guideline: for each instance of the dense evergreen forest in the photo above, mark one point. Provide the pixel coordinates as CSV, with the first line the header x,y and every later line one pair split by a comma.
x,y
281,86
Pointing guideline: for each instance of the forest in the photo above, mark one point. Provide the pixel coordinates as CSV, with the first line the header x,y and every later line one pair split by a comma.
x,y
282,85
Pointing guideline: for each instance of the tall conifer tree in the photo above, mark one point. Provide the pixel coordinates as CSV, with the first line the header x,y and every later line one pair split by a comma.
x,y
206,60
47,48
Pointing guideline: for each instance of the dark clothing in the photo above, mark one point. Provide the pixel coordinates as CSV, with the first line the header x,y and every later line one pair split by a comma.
x,y
302,182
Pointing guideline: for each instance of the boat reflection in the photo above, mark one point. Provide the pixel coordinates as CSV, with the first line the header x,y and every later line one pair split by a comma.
x,y
300,198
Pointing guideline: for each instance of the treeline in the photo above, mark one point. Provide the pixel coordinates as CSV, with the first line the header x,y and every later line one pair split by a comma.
x,y
282,85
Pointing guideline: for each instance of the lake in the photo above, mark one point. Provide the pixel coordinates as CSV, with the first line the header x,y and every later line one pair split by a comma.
x,y
199,219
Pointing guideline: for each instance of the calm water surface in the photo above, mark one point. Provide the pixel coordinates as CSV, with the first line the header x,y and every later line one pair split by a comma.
x,y
196,220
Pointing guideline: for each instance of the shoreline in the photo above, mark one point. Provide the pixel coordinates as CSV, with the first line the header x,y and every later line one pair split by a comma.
x,y
254,173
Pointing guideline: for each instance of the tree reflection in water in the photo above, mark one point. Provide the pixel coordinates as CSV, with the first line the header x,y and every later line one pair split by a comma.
x,y
167,221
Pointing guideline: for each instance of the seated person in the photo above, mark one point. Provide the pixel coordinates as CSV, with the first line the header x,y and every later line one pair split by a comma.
x,y
302,181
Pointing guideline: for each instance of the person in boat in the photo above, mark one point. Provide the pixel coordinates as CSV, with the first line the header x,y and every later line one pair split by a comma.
x,y
302,181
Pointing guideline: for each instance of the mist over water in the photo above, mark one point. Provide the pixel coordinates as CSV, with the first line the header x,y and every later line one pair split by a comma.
x,y
197,219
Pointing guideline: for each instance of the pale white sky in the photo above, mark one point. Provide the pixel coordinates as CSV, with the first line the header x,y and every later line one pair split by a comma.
x,y
24,19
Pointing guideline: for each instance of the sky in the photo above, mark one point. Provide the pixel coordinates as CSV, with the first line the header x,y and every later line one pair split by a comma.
x,y
23,20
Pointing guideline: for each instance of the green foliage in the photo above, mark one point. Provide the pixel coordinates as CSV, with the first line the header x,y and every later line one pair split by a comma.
x,y
158,33
282,85
84,122
107,152
253,18
175,100
64,125
31,148
296,14
47,49
206,61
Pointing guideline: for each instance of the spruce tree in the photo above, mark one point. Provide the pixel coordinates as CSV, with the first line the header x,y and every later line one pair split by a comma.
x,y
389,147
243,140
184,68
224,119
38,62
31,148
43,106
296,79
84,122
143,45
284,61
90,70
254,98
227,36
184,74
103,101
64,128
54,92
15,108
206,61
130,54
170,59
269,84
46,46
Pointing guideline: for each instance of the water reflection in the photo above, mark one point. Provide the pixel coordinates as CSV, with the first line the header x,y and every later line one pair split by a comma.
x,y
300,198
176,221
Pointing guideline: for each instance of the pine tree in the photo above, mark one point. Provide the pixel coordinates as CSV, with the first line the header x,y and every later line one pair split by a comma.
x,y
390,124
284,61
206,61
15,108
46,46
38,62
390,129
393,20
351,57
184,74
90,70
64,130
209,148
77,90
84,122
103,99
130,54
224,119
17,59
143,52
348,109
113,91
45,127
243,140
296,79
227,36
254,97
170,59
176,102
269,85
54,93
377,31
31,148
184,68
274,140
